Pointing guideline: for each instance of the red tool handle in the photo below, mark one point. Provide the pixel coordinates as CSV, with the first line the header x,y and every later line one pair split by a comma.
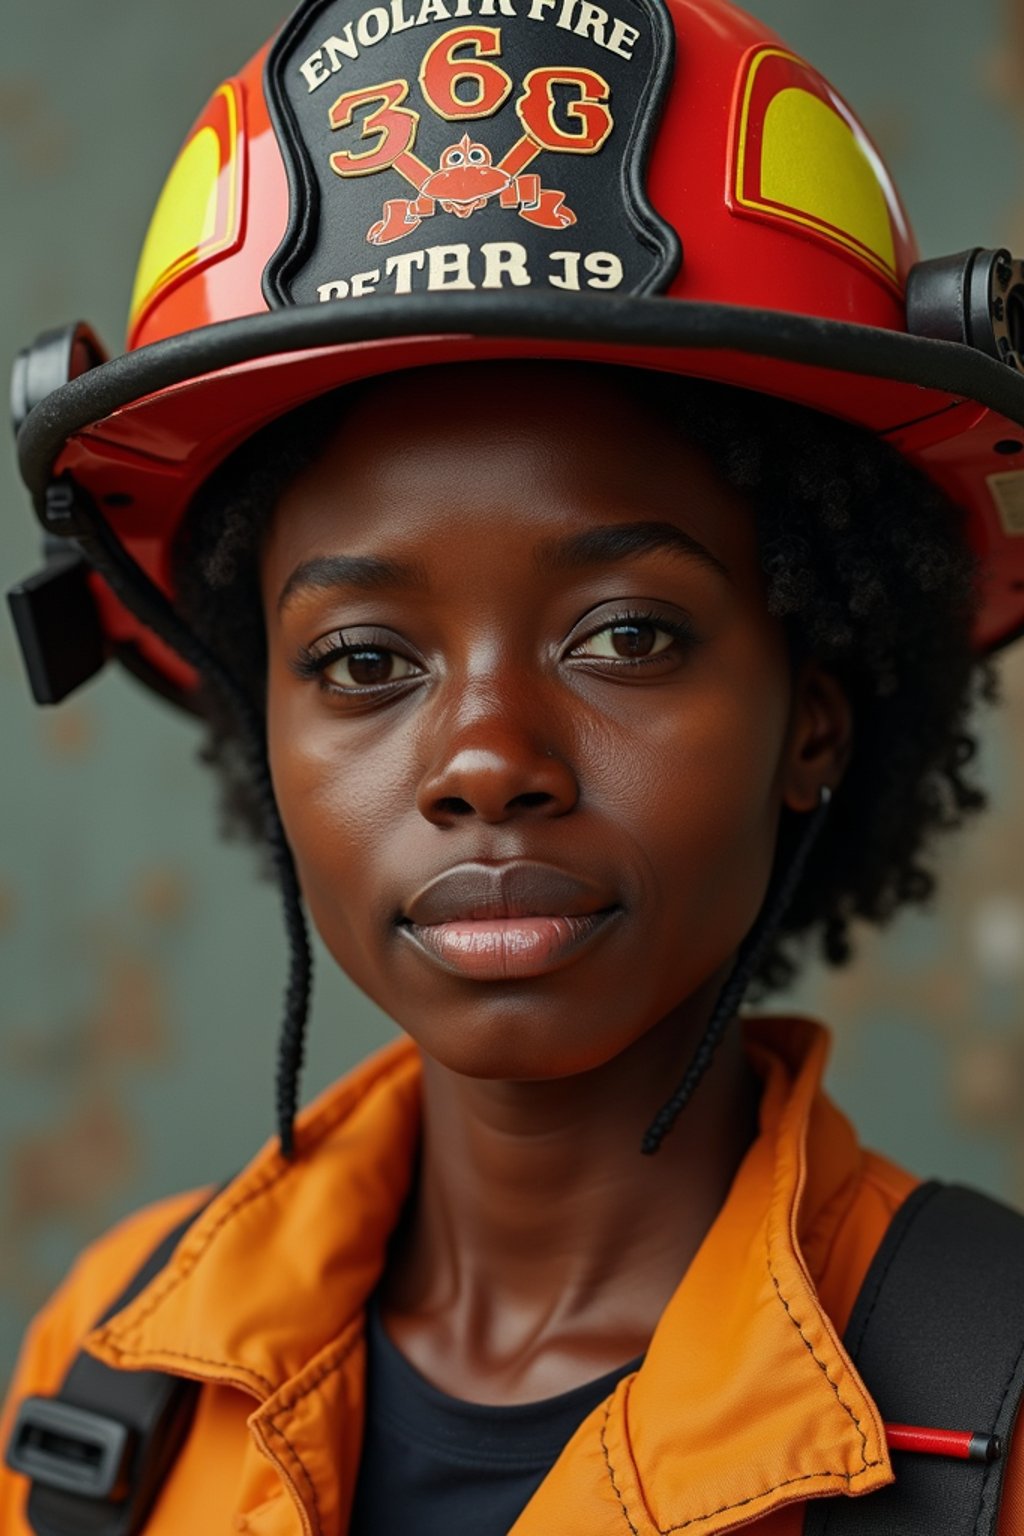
x,y
964,1445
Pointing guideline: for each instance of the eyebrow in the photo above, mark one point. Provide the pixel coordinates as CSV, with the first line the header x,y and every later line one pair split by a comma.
x,y
594,546
367,573
619,541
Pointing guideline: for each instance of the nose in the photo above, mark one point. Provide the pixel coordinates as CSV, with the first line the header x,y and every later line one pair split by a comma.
x,y
497,773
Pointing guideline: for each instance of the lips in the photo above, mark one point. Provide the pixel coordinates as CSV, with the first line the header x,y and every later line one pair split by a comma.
x,y
492,922
522,888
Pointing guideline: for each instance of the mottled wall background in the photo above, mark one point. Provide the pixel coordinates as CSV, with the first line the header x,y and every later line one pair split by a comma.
x,y
140,960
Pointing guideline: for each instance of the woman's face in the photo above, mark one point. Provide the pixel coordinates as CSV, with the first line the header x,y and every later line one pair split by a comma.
x,y
530,724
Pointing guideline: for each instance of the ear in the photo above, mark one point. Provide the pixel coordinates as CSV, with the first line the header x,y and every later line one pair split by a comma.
x,y
820,737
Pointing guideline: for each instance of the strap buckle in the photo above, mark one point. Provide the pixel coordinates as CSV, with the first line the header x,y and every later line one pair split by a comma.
x,y
71,1449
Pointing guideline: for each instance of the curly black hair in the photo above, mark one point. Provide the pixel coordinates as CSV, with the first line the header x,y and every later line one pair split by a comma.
x,y
866,565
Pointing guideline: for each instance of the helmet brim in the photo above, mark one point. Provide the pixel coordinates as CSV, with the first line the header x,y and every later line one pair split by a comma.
x,y
155,422
945,368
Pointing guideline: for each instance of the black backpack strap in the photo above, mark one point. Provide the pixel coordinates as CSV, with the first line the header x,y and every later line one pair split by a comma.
x,y
938,1335
98,1452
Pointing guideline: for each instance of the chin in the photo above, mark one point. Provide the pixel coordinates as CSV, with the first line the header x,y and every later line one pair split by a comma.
x,y
520,1041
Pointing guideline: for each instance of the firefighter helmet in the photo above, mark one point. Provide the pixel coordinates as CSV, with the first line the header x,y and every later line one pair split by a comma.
x,y
654,183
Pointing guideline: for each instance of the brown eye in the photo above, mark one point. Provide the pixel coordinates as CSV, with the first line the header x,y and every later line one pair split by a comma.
x,y
628,640
368,667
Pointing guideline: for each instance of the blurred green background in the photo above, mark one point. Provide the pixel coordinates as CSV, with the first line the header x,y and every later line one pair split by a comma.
x,y
141,961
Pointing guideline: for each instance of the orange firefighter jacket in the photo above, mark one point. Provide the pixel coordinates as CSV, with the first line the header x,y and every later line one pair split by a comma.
x,y
745,1406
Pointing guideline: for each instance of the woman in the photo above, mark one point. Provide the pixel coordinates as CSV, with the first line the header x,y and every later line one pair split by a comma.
x,y
570,696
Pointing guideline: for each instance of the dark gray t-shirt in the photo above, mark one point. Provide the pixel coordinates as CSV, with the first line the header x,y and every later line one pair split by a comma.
x,y
432,1464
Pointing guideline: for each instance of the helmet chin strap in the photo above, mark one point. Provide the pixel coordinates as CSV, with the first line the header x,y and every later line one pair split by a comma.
x,y
749,958
130,583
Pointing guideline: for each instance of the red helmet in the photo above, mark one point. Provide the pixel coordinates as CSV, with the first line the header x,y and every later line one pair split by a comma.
x,y
655,183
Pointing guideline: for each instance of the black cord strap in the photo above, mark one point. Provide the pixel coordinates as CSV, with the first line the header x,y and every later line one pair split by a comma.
x,y
134,588
751,953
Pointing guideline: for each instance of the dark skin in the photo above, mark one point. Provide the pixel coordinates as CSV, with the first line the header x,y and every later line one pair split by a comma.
x,y
625,710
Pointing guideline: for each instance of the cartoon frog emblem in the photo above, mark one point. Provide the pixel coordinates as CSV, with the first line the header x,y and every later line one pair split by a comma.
x,y
465,181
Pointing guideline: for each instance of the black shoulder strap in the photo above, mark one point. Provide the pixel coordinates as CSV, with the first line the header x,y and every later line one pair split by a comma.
x,y
938,1335
99,1451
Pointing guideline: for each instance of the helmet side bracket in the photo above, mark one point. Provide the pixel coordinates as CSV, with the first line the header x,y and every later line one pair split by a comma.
x,y
975,298
56,620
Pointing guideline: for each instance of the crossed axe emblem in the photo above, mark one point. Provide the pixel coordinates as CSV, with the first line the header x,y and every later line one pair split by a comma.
x,y
465,181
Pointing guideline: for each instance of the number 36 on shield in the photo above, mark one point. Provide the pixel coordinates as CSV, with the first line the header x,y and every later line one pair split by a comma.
x,y
484,87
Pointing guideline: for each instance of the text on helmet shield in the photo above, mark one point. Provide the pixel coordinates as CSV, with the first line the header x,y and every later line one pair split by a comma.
x,y
543,116
462,268
374,24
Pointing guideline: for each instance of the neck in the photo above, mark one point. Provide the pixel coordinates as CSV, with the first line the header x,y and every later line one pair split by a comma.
x,y
541,1247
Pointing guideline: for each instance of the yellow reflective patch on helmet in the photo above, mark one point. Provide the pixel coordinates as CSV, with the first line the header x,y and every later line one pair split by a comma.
x,y
812,164
197,215
185,217
801,157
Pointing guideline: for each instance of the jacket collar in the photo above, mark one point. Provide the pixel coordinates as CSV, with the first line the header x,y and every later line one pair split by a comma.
x,y
745,1402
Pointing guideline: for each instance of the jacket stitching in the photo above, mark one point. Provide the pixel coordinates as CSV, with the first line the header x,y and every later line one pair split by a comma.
x,y
317,1521
611,1474
856,1344
327,1369
846,1477
724,1509
804,1477
178,1354
286,1404
823,1368
188,1263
